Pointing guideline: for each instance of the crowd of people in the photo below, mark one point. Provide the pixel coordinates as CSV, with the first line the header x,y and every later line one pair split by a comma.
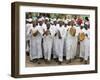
x,y
55,38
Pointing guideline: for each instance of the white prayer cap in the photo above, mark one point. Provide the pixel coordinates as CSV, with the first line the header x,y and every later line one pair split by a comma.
x,y
58,20
51,22
50,19
61,20
48,22
29,20
40,19
46,18
65,21
54,19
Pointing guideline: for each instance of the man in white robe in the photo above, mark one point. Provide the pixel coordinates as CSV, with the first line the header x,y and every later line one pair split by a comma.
x,y
85,46
28,26
75,42
65,38
39,39
59,42
71,45
35,43
47,43
68,45
53,29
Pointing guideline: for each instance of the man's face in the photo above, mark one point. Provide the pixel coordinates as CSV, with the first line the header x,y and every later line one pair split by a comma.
x,y
55,22
60,23
34,23
48,26
30,15
72,23
40,23
65,25
46,21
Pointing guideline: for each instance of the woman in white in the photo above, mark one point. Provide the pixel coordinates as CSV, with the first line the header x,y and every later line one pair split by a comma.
x,y
47,43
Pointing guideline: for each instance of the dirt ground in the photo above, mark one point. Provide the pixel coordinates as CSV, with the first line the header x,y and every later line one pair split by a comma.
x,y
53,62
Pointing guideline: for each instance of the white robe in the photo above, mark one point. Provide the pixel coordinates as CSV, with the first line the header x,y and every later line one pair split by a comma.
x,y
53,28
35,44
59,43
71,45
43,28
65,38
75,43
27,32
85,46
47,45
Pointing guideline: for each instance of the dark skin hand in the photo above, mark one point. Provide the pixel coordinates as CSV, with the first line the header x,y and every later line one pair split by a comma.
x,y
55,34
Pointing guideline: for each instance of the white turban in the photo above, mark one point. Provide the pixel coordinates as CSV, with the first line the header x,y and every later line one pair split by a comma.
x,y
29,20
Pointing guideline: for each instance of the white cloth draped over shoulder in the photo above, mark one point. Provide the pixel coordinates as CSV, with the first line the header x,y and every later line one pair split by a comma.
x,y
71,44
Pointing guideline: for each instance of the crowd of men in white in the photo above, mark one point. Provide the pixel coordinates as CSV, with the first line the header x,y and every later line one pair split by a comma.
x,y
45,37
